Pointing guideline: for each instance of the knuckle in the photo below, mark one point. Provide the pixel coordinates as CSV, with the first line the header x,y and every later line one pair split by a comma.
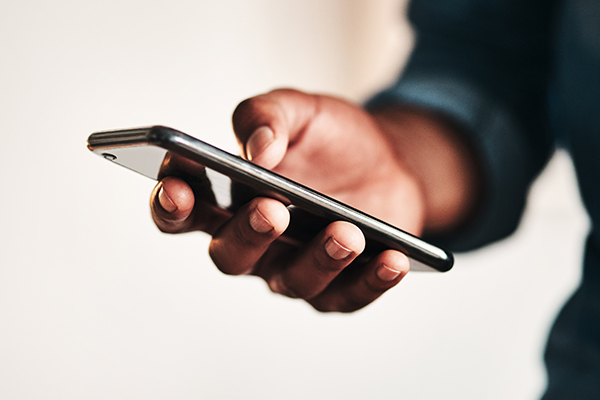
x,y
215,255
340,305
305,293
351,305
290,288
277,285
164,229
321,307
248,113
323,304
285,92
242,109
169,227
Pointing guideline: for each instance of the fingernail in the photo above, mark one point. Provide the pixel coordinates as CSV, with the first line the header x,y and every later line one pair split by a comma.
x,y
165,201
336,250
386,273
259,140
259,223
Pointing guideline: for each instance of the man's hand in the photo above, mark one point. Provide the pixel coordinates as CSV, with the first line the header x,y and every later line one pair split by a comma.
x,y
333,147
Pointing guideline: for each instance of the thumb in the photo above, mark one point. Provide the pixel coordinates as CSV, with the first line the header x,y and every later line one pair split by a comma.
x,y
267,124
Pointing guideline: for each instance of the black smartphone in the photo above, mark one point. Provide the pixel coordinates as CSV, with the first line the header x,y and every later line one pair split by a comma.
x,y
229,181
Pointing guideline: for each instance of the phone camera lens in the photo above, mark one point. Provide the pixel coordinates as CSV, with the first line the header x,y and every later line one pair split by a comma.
x,y
109,157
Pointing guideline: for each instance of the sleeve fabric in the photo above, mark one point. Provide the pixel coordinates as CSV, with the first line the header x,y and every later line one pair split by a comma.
x,y
485,64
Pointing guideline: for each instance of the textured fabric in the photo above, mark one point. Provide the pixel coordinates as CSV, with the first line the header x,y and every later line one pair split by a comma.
x,y
520,77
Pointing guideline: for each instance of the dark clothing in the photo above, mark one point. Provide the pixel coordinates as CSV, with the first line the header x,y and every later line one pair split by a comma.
x,y
521,77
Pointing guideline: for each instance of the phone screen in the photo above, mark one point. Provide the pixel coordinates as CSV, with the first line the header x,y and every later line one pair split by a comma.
x,y
211,186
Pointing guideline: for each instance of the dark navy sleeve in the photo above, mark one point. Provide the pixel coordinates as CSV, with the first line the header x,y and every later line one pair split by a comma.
x,y
485,64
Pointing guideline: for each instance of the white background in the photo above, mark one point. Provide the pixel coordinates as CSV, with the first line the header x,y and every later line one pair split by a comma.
x,y
95,303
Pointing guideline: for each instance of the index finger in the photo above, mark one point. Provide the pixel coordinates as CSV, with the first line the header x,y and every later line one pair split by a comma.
x,y
176,208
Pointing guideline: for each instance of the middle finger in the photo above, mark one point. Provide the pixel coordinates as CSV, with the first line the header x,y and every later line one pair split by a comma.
x,y
315,266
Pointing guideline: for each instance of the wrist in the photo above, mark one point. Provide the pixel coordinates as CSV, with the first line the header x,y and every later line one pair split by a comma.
x,y
441,160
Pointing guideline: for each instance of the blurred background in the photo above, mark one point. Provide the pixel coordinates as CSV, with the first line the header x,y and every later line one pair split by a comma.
x,y
96,303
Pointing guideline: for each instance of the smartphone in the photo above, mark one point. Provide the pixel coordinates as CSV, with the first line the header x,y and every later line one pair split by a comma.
x,y
228,182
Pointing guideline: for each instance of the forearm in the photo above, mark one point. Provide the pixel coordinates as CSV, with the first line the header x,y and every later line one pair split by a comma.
x,y
441,160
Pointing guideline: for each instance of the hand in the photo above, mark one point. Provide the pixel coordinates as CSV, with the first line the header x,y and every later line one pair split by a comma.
x,y
334,147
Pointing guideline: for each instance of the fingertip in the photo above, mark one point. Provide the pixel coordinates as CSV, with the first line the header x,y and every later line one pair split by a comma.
x,y
387,273
392,265
268,215
347,235
258,141
164,200
382,273
238,244
273,211
172,199
265,148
